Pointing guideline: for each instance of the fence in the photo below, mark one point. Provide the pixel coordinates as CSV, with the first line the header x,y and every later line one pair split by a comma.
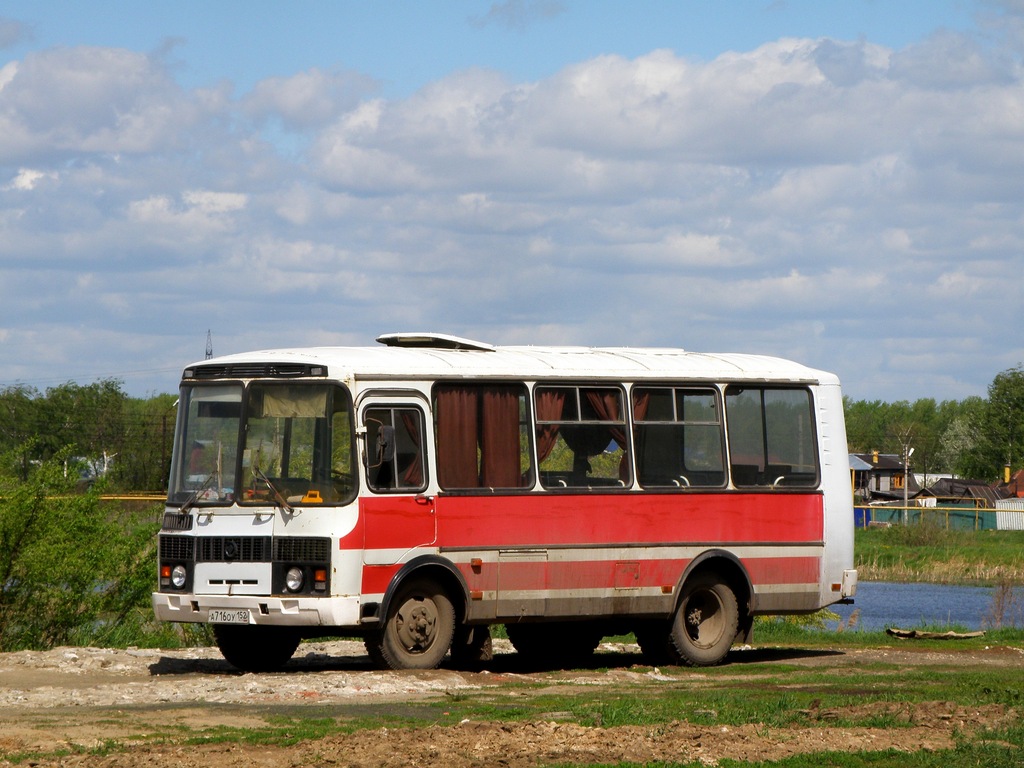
x,y
952,517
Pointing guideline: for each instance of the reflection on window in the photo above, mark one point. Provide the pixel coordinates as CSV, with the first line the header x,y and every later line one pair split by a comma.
x,y
482,436
678,437
394,449
771,437
581,437
300,437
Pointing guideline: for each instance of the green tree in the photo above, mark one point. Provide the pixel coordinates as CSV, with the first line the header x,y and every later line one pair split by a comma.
x,y
958,449
999,427
865,425
88,417
144,455
19,420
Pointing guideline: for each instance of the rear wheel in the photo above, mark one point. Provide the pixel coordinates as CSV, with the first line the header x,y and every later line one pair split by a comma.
x,y
706,621
256,648
417,630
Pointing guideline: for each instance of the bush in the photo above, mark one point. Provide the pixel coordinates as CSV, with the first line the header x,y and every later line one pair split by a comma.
x,y
71,570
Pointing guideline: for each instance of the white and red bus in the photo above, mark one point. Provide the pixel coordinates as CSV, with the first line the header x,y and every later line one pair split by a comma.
x,y
417,492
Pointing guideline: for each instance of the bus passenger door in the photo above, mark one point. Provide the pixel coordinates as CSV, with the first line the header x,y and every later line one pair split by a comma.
x,y
398,515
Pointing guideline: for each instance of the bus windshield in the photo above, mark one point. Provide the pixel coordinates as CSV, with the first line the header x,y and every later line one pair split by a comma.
x,y
267,441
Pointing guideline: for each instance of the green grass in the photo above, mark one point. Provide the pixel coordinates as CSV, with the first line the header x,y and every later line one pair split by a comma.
x,y
928,553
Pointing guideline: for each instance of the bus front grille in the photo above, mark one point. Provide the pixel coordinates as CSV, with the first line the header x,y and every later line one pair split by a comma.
x,y
234,549
245,549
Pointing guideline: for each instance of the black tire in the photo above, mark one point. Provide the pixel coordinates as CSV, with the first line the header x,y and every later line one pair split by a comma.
x,y
256,648
706,622
418,629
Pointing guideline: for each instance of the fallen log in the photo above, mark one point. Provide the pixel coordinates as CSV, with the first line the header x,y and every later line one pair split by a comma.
x,y
920,634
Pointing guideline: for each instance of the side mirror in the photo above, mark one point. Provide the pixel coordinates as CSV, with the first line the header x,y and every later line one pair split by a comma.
x,y
385,443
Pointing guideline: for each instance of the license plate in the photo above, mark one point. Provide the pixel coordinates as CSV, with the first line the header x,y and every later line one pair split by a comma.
x,y
237,616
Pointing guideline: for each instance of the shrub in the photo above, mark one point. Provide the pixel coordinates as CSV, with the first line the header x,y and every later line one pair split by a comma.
x,y
71,570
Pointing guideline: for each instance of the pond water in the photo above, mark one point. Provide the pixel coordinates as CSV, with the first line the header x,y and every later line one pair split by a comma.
x,y
883,604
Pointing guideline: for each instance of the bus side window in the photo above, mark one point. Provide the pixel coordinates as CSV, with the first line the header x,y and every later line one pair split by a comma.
x,y
582,437
771,437
482,436
678,436
394,449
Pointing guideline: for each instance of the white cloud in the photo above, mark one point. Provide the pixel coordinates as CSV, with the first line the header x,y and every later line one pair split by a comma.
x,y
308,99
209,202
28,178
808,198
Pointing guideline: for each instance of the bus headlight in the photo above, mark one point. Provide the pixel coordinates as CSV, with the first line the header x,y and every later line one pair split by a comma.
x,y
178,576
294,579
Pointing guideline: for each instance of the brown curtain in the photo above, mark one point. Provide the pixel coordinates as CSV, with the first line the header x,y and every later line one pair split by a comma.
x,y
549,408
457,425
499,438
641,402
605,403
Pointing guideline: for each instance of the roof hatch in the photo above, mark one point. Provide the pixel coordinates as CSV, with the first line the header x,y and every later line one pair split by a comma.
x,y
432,341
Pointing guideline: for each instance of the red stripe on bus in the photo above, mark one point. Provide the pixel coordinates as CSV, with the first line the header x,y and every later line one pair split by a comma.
x,y
544,520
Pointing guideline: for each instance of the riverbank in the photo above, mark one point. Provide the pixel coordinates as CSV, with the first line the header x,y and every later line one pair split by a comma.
x,y
926,553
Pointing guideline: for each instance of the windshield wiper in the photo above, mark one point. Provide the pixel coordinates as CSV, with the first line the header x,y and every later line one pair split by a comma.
x,y
275,494
194,496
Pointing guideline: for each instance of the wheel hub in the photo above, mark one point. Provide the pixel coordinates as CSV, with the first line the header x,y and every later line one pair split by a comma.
x,y
415,624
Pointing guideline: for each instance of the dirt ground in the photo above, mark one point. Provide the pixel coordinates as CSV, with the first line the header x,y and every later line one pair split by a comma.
x,y
74,701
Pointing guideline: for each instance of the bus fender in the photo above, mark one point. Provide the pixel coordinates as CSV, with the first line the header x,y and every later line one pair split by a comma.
x,y
439,569
730,569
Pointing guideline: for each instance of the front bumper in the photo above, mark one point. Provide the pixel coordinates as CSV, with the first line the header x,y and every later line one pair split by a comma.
x,y
283,611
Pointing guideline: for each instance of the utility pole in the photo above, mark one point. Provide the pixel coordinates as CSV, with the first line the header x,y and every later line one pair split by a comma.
x,y
209,344
907,453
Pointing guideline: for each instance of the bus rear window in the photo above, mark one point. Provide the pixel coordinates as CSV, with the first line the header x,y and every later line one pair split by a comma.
x,y
771,437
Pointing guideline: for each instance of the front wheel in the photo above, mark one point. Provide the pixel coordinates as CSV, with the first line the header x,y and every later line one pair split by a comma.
x,y
256,648
418,629
706,622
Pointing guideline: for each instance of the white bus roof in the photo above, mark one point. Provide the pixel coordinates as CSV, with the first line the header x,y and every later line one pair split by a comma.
x,y
432,355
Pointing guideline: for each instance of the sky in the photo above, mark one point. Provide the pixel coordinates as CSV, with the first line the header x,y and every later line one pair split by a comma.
x,y
840,183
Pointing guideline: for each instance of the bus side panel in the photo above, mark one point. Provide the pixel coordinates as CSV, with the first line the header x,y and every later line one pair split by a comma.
x,y
569,555
394,525
553,520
